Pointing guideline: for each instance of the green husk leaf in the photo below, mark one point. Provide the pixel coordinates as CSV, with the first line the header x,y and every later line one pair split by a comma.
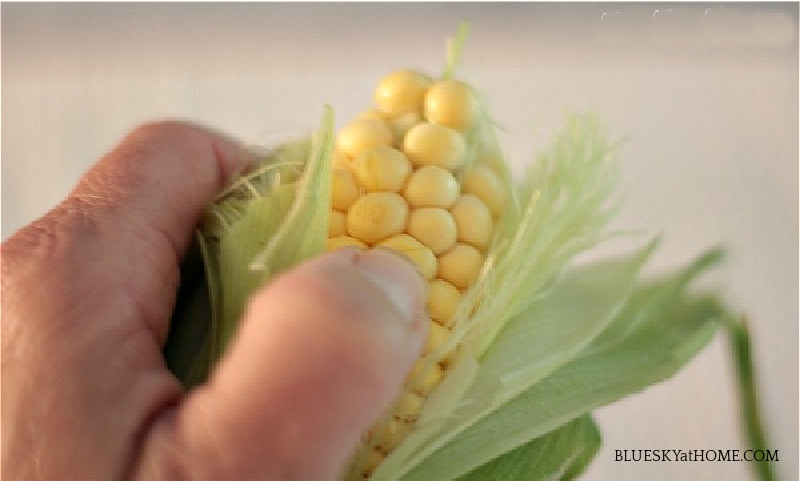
x,y
553,330
569,195
267,221
187,350
742,358
557,326
591,439
560,455
663,326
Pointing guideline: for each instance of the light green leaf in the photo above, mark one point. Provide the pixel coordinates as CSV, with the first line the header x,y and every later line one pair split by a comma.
x,y
754,431
553,330
592,440
560,455
243,241
266,222
656,343
556,327
569,201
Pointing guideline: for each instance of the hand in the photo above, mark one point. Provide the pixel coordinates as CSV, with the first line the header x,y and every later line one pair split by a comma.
x,y
87,294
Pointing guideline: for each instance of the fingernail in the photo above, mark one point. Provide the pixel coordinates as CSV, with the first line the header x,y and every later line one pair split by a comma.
x,y
397,277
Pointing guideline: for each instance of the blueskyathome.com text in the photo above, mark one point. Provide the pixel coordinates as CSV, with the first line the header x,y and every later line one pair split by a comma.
x,y
695,455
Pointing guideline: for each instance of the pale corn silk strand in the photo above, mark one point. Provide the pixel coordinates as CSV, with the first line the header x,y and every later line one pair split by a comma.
x,y
419,173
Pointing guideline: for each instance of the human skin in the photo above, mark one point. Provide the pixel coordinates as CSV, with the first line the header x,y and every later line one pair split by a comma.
x,y
87,294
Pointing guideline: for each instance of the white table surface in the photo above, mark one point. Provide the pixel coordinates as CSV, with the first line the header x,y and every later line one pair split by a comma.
x,y
707,96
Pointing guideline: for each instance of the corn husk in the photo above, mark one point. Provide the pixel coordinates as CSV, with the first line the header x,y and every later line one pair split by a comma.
x,y
542,339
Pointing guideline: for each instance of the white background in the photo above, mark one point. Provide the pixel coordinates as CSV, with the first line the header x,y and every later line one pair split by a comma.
x,y
707,95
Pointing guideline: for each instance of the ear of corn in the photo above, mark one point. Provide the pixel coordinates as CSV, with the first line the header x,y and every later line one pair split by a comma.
x,y
417,172
523,345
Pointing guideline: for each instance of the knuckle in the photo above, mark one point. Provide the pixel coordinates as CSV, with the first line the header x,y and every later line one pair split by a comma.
x,y
168,141
161,129
159,138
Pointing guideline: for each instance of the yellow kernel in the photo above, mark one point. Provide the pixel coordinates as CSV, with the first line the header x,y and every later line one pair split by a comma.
x,y
486,185
434,227
423,378
381,169
460,265
401,91
363,134
417,253
451,103
344,189
336,224
409,406
391,433
376,216
374,459
443,301
333,243
431,186
474,221
433,144
437,336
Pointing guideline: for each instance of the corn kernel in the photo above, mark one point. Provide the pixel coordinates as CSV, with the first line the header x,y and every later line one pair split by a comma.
x,y
485,184
374,458
333,243
423,378
417,253
434,227
433,144
376,216
408,406
401,91
431,186
363,134
451,103
344,189
336,224
437,336
460,265
381,169
391,434
474,221
443,301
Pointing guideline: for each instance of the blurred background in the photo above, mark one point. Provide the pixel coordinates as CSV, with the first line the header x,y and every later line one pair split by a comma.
x,y
706,95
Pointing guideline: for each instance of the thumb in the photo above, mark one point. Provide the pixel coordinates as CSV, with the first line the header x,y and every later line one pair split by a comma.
x,y
321,354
